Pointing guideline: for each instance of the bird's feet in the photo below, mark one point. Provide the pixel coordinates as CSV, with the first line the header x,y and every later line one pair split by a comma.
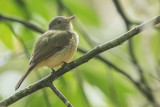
x,y
53,71
64,63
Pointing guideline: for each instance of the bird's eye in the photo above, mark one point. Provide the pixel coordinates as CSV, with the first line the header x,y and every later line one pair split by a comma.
x,y
59,22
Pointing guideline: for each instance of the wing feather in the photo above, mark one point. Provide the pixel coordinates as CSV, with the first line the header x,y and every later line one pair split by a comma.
x,y
49,44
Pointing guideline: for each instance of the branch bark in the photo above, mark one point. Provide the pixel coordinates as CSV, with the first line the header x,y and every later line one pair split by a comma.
x,y
146,90
29,25
28,57
60,95
45,82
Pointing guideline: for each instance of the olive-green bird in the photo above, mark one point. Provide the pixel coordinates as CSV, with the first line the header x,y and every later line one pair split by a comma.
x,y
55,47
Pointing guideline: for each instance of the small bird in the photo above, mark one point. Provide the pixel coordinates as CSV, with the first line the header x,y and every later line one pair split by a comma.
x,y
55,47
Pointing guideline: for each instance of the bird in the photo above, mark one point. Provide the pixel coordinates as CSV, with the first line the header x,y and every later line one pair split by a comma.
x,y
53,48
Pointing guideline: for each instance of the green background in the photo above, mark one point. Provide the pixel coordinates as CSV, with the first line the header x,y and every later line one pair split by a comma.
x,y
92,84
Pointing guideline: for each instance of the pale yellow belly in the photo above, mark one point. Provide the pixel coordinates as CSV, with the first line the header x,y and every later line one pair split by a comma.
x,y
65,55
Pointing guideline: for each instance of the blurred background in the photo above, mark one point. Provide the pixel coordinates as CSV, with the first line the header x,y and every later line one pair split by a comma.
x,y
125,76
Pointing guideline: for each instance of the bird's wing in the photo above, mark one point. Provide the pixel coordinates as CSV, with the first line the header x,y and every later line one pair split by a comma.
x,y
48,44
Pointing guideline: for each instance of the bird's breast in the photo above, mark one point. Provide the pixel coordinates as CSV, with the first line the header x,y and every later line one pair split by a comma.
x,y
65,55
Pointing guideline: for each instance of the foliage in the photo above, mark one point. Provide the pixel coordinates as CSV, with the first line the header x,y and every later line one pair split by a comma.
x,y
93,84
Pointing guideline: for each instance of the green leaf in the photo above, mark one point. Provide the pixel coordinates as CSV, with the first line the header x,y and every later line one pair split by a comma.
x,y
6,36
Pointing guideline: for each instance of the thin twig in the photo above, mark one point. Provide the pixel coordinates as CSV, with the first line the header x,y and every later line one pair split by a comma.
x,y
60,95
28,57
92,44
36,30
108,63
85,58
138,86
60,9
118,70
128,23
77,24
148,94
120,10
27,24
83,51
19,38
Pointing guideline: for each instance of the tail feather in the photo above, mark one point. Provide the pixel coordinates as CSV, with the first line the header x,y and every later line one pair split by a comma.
x,y
23,77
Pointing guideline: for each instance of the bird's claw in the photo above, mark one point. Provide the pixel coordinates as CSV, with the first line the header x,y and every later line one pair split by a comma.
x,y
64,63
53,71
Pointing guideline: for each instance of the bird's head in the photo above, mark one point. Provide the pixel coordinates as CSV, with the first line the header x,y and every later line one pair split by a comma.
x,y
61,23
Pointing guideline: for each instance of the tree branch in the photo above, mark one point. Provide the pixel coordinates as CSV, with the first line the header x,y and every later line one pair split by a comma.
x,y
45,82
60,95
77,24
120,11
28,57
79,49
146,93
27,24
128,23
108,63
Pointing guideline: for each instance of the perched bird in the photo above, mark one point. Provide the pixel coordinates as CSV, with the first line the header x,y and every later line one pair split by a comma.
x,y
55,47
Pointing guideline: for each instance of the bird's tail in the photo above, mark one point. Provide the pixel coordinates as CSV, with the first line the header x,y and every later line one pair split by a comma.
x,y
23,77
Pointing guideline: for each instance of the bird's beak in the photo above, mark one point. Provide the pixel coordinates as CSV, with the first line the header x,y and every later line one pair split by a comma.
x,y
70,18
